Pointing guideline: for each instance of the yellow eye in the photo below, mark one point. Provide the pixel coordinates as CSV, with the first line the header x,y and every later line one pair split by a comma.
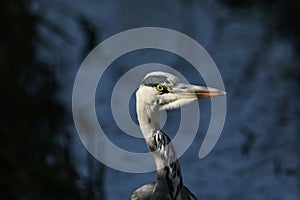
x,y
160,87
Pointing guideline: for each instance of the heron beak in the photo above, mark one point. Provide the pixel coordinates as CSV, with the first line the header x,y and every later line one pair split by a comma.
x,y
184,91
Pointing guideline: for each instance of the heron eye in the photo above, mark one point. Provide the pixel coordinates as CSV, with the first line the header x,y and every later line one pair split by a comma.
x,y
160,88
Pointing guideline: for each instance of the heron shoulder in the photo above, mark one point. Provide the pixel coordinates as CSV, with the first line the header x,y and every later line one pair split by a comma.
x,y
146,193
143,193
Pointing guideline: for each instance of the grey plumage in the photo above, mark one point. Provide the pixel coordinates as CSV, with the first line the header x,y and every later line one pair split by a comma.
x,y
151,80
146,192
168,178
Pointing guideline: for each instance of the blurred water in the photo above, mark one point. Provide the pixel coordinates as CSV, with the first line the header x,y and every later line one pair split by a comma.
x,y
256,156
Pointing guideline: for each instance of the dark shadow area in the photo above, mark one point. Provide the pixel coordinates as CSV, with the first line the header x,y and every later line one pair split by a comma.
x,y
35,158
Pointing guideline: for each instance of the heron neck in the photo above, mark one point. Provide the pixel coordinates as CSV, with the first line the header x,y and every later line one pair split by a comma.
x,y
149,120
168,177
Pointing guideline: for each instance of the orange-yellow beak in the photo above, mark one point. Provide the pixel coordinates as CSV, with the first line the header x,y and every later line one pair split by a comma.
x,y
194,91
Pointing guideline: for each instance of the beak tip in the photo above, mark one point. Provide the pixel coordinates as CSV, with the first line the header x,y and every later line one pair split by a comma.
x,y
221,93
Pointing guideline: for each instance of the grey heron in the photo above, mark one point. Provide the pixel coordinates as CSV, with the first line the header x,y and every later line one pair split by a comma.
x,y
162,91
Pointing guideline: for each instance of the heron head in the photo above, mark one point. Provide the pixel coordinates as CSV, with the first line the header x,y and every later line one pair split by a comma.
x,y
164,91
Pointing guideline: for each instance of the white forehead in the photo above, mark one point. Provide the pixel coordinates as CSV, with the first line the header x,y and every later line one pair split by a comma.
x,y
159,78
